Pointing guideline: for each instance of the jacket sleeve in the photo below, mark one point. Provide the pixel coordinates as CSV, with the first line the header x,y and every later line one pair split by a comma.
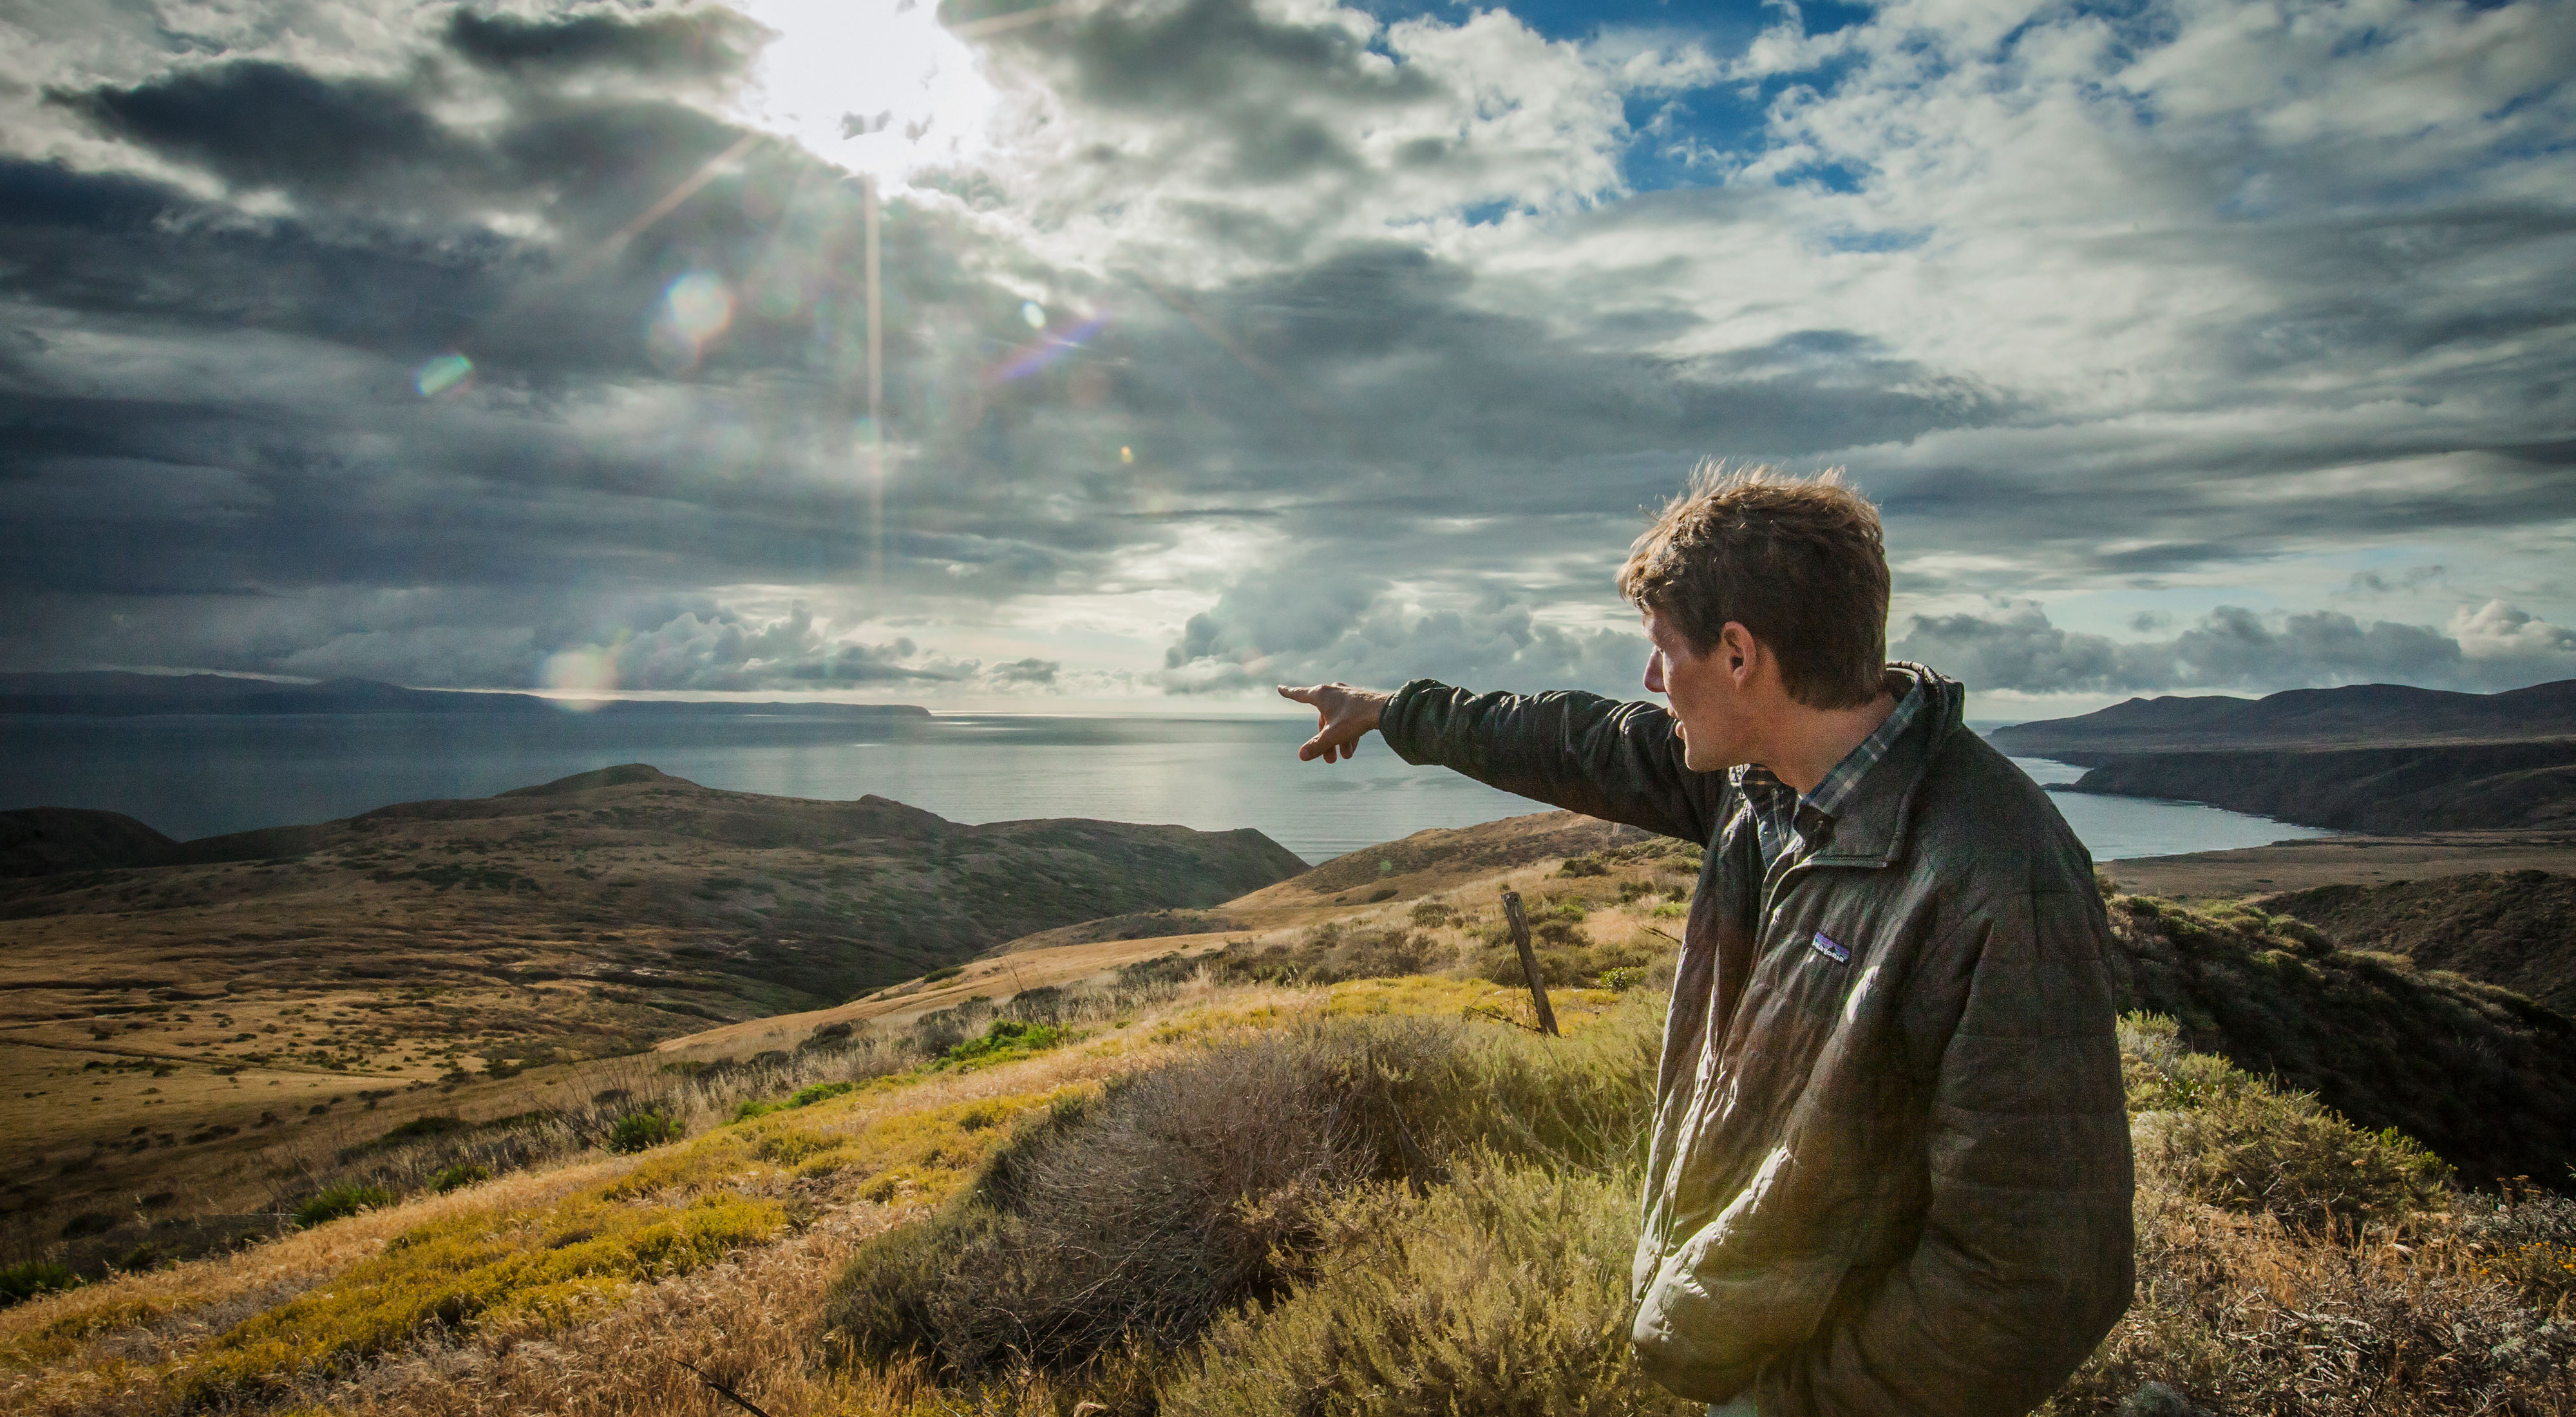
x,y
2025,1257
1603,758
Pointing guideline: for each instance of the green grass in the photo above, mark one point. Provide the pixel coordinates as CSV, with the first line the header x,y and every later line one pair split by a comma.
x,y
469,1268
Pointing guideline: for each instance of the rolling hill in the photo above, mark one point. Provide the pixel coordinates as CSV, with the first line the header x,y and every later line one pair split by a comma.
x,y
352,960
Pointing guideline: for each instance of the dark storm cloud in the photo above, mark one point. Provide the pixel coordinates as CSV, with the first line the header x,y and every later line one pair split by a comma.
x,y
703,43
257,123
1381,360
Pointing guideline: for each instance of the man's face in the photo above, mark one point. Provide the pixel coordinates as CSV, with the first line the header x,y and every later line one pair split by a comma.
x,y
1706,693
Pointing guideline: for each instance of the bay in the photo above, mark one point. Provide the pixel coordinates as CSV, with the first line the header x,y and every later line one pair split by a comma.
x,y
201,775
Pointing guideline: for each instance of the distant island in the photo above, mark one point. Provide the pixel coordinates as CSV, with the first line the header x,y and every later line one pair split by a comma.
x,y
121,694
2367,757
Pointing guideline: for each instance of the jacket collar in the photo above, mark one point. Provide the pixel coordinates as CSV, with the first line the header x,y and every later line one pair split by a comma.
x,y
1871,831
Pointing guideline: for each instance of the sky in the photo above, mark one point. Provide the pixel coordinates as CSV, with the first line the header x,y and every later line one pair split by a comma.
x,y
2185,346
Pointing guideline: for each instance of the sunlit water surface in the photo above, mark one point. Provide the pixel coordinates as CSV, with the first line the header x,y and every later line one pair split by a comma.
x,y
195,776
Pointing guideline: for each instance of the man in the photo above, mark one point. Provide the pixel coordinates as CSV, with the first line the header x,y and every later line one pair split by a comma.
x,y
1890,1165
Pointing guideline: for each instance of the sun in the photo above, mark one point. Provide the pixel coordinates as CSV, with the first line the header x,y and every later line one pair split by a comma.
x,y
876,87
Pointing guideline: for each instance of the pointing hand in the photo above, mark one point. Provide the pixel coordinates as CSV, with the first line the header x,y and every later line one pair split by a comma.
x,y
1343,715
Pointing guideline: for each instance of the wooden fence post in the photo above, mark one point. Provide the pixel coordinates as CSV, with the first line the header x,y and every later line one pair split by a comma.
x,y
1529,960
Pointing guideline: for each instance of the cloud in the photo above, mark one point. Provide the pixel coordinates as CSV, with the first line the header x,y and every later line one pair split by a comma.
x,y
1362,340
1313,624
727,652
1031,670
258,123
701,43
2489,647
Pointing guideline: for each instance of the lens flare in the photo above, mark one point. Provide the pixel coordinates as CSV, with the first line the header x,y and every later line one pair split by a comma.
x,y
1046,349
1034,314
579,673
876,87
697,308
441,374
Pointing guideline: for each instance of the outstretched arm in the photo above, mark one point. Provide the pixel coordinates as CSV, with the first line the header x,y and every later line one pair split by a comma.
x,y
1343,716
1617,761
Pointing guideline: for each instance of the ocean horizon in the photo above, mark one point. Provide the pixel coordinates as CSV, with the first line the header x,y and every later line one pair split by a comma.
x,y
205,775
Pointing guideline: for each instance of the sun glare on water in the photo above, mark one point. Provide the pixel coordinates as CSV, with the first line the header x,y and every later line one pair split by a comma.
x,y
877,87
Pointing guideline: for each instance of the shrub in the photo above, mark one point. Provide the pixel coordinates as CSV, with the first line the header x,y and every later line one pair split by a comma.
x,y
2223,1136
1503,1293
937,1032
26,1281
459,1176
1044,1004
88,1222
643,1129
1432,914
339,1202
1583,866
828,1036
1129,1222
2526,1237
1142,1215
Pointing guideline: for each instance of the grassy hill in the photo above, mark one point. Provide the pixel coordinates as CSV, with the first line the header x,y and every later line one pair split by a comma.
x,y
2513,929
1347,1119
2483,1076
152,1014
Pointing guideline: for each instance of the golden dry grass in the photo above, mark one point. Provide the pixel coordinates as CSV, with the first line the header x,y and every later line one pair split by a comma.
x,y
272,1326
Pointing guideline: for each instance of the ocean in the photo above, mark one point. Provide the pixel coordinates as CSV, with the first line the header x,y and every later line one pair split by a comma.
x,y
201,775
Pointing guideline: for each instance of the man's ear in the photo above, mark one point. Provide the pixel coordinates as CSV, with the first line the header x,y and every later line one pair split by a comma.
x,y
1738,653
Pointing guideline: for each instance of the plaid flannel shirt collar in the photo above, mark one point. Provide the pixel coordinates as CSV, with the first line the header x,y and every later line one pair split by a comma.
x,y
1832,796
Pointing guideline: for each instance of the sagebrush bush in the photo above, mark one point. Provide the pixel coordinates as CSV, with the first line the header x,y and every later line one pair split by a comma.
x,y
1502,1293
1132,1220
1142,1214
339,1202
643,1129
459,1176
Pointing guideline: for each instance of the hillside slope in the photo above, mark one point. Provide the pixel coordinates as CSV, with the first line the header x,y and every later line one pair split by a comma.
x,y
2438,787
158,1007
2515,929
39,841
1125,1137
2483,1076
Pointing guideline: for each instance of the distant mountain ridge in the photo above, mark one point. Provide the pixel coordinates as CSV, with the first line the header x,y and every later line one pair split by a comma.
x,y
2366,757
2373,715
121,694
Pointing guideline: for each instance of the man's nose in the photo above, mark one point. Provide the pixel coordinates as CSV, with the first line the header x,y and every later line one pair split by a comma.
x,y
1654,673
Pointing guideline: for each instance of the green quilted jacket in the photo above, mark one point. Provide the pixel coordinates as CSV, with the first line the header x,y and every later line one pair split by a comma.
x,y
1890,1166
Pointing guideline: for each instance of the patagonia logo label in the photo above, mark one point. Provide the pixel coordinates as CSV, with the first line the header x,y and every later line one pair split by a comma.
x,y
1824,945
